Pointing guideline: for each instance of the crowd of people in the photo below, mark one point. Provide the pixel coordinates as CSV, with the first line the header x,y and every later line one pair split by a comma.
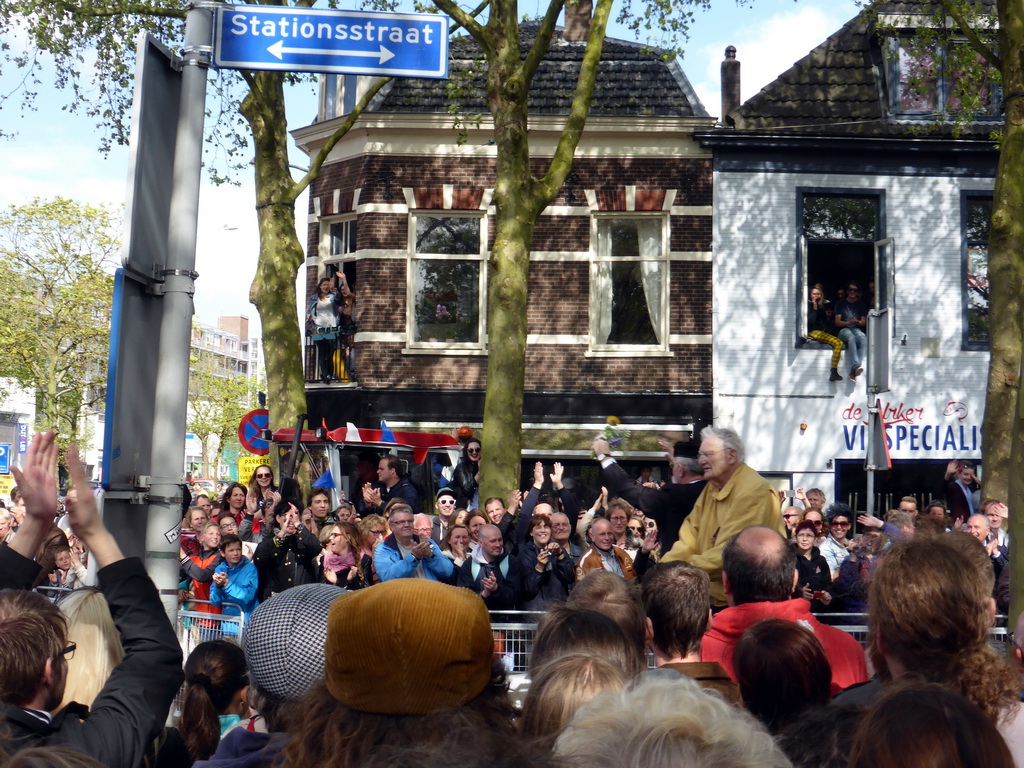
x,y
367,637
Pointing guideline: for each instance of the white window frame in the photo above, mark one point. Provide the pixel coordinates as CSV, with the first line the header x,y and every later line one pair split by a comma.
x,y
598,256
324,251
444,347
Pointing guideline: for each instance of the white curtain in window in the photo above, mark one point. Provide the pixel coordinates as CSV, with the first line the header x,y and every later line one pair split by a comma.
x,y
602,309
649,235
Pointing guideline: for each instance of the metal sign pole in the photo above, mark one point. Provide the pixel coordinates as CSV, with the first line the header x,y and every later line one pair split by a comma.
x,y
178,279
878,381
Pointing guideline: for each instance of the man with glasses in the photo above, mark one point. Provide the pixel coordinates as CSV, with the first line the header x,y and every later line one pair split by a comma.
x,y
734,498
791,517
852,318
405,554
444,503
421,526
133,704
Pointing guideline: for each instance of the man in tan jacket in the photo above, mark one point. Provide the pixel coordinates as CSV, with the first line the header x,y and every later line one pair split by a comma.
x,y
604,554
734,498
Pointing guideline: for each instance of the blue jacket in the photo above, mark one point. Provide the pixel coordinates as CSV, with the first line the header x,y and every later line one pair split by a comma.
x,y
243,582
390,564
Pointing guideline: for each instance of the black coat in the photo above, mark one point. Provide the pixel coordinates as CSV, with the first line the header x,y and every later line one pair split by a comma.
x,y
553,585
506,596
286,564
816,574
130,711
669,505
464,483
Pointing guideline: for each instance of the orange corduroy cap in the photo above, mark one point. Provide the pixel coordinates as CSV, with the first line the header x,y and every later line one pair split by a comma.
x,y
408,647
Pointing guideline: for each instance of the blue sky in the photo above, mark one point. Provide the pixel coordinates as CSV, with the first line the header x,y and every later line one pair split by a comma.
x,y
54,152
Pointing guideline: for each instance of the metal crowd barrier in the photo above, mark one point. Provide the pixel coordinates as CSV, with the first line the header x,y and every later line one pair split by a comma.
x,y
53,593
194,627
514,632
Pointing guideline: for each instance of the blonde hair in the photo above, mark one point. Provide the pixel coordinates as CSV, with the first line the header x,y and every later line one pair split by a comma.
x,y
98,642
563,684
679,724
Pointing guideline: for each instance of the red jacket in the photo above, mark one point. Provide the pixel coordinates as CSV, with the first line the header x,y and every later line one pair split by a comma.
x,y
844,653
201,588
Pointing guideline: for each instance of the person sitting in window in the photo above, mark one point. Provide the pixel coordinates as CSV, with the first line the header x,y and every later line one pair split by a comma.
x,y
851,319
819,311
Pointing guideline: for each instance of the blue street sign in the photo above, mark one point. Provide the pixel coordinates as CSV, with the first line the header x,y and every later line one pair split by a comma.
x,y
331,41
5,459
22,438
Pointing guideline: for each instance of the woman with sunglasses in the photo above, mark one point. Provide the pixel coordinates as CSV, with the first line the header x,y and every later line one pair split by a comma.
x,y
834,547
262,488
261,495
466,479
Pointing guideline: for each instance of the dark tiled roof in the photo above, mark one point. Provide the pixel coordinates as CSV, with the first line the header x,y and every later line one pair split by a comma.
x,y
839,88
632,81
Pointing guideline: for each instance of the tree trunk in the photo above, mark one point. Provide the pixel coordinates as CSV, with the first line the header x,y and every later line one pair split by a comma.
x,y
1004,409
516,205
519,199
281,254
206,458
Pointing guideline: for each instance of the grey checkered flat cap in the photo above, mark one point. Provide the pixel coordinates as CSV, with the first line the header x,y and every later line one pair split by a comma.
x,y
284,639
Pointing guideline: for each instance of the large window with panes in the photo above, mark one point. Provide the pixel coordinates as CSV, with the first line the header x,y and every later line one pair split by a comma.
x,y
841,241
446,281
338,248
629,278
931,79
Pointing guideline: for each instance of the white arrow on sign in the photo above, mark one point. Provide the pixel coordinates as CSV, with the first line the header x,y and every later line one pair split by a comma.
x,y
278,50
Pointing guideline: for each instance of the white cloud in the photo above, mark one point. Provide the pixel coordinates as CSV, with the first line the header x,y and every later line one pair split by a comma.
x,y
227,247
765,48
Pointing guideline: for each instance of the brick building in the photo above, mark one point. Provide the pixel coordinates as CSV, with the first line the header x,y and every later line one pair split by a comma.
x,y
620,270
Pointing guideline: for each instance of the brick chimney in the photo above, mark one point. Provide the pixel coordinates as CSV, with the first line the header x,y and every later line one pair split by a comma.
x,y
577,20
730,84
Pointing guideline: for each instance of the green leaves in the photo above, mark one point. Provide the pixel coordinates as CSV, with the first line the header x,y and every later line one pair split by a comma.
x,y
56,259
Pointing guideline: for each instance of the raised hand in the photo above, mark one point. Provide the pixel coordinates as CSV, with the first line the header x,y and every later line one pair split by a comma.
x,y
556,476
37,479
85,517
870,521
515,498
650,539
